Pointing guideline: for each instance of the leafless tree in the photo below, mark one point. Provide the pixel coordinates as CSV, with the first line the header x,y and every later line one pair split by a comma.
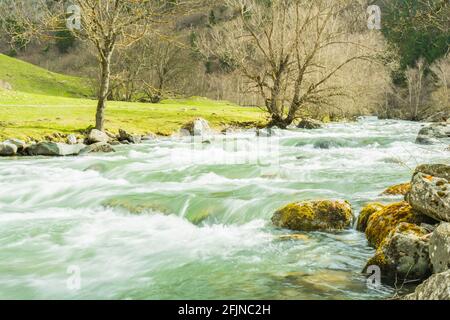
x,y
107,24
285,50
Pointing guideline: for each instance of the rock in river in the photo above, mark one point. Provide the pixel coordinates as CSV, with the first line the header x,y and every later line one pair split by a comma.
x,y
397,190
437,287
382,222
366,213
430,194
434,134
403,255
440,248
314,215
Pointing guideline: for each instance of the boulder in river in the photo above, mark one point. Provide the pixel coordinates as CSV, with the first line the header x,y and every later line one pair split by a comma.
x,y
403,255
54,149
97,136
314,216
365,214
440,248
7,149
430,194
434,134
382,222
397,190
196,127
310,124
437,287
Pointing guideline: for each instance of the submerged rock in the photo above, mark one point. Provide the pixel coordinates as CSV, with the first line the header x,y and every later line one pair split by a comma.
x,y
437,287
397,190
310,124
328,144
54,149
430,195
266,132
382,222
196,127
97,136
365,214
403,255
440,248
314,215
7,149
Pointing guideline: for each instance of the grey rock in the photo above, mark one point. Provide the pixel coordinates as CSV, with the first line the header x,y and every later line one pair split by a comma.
x,y
310,124
72,139
18,143
440,248
7,149
54,149
98,147
125,136
197,127
97,136
435,170
437,287
431,196
434,134
403,255
266,132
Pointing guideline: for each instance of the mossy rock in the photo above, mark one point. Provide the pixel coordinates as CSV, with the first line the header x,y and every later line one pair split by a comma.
x,y
320,215
366,213
397,190
381,223
403,255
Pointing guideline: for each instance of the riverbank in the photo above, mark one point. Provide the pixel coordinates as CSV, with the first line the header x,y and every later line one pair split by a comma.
x,y
28,116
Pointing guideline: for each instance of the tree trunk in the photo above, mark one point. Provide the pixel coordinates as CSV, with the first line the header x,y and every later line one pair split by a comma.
x,y
103,92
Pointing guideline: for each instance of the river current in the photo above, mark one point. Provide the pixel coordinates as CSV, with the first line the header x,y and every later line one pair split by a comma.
x,y
177,218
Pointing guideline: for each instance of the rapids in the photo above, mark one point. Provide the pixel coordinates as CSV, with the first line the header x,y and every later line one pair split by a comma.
x,y
180,219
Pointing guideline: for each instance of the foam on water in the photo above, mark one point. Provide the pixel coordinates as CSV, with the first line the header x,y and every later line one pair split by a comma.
x,y
176,218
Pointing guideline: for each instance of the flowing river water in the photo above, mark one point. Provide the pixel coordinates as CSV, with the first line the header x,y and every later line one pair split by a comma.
x,y
180,219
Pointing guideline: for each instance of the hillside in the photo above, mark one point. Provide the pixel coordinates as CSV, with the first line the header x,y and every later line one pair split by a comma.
x,y
25,77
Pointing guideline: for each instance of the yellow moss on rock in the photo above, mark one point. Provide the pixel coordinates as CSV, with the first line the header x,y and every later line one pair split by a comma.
x,y
365,214
314,215
397,190
381,223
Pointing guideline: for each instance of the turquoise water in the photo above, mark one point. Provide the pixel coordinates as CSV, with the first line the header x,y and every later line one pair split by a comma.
x,y
182,219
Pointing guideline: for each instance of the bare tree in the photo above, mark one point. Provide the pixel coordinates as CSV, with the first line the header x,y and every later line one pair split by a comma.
x,y
107,24
283,49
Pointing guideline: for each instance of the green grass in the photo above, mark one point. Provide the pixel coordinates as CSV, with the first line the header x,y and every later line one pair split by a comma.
x,y
25,77
43,103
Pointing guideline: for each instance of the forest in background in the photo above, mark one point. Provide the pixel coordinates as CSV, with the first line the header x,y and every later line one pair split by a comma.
x,y
407,75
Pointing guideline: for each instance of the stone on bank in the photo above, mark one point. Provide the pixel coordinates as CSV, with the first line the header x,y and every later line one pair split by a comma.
x,y
54,149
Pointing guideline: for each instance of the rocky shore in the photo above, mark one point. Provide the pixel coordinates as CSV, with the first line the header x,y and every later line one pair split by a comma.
x,y
411,237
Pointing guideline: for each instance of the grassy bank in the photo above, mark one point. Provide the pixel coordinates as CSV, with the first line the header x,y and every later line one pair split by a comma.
x,y
42,103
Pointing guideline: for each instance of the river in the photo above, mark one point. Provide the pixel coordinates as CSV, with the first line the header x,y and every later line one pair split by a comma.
x,y
180,219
